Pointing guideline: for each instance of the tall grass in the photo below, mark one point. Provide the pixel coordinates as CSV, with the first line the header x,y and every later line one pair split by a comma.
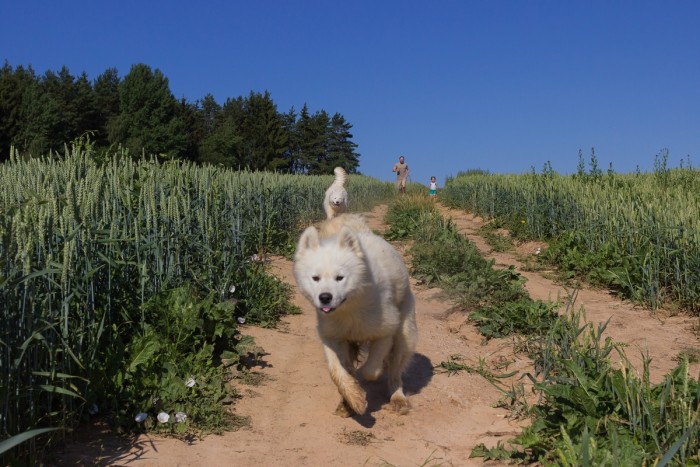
x,y
84,246
591,410
637,233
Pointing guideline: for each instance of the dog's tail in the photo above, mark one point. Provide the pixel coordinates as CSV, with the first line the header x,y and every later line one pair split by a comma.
x,y
340,176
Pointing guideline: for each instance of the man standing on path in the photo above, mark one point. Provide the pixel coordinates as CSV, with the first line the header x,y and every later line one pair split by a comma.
x,y
401,169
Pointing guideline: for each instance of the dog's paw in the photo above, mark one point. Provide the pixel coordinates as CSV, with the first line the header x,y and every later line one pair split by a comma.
x,y
358,404
399,404
346,409
343,410
354,395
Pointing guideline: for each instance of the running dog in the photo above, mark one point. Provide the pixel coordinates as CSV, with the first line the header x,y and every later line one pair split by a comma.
x,y
358,284
336,200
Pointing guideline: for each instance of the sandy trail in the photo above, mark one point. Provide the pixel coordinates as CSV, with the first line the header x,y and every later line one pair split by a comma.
x,y
292,420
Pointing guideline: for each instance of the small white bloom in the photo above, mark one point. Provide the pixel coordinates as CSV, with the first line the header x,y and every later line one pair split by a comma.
x,y
180,417
93,409
538,251
163,417
254,258
141,416
241,320
190,382
232,288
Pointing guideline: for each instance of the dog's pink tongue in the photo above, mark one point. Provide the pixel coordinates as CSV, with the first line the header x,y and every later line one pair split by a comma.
x,y
326,309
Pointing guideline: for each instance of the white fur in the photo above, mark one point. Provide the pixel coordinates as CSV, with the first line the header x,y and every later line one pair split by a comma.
x,y
336,200
358,284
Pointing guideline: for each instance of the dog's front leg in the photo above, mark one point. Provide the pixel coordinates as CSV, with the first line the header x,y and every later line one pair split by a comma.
x,y
340,366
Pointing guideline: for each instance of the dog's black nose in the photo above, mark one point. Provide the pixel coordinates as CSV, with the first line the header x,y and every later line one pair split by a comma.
x,y
325,298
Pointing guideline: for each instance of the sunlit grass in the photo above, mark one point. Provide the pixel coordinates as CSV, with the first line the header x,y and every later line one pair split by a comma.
x,y
85,249
589,411
638,234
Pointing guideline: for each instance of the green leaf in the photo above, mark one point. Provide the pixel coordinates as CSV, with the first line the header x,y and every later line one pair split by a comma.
x,y
43,272
143,352
51,375
59,390
674,449
10,443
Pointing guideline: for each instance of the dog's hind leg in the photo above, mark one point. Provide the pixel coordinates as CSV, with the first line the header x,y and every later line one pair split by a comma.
x,y
401,355
340,367
399,401
378,351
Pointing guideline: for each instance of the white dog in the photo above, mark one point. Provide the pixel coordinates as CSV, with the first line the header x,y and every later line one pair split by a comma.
x,y
359,285
336,199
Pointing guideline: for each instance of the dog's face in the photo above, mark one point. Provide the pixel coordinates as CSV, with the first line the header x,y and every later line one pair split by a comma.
x,y
337,198
329,272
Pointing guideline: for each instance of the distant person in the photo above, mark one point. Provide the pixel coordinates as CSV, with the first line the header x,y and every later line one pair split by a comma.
x,y
433,188
402,170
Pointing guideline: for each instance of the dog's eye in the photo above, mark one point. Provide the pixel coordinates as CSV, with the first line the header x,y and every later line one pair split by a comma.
x,y
315,278
339,278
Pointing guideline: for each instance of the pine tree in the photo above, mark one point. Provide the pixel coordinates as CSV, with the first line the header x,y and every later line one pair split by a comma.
x,y
312,141
289,123
341,149
220,144
40,118
106,98
148,121
13,85
264,140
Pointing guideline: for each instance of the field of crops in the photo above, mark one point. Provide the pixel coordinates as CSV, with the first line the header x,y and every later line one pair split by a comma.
x,y
638,234
592,407
122,282
125,279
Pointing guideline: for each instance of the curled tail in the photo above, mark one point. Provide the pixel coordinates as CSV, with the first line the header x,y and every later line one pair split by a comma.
x,y
340,176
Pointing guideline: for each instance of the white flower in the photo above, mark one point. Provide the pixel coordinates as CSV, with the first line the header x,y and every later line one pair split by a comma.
x,y
232,288
190,382
163,417
539,250
254,258
180,417
93,409
241,320
141,416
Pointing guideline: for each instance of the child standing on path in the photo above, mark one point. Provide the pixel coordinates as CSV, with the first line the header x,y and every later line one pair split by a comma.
x,y
433,188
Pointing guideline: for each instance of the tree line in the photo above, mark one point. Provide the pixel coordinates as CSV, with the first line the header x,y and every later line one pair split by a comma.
x,y
39,114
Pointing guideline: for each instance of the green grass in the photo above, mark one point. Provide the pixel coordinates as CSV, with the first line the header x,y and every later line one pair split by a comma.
x,y
120,279
589,410
637,234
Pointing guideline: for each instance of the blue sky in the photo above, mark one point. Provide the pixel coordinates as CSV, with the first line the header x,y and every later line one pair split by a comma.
x,y
451,84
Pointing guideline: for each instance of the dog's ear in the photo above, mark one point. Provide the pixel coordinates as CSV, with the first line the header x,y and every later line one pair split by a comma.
x,y
347,238
309,240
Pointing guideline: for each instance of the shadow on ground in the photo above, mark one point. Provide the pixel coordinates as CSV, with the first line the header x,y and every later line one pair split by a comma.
x,y
417,376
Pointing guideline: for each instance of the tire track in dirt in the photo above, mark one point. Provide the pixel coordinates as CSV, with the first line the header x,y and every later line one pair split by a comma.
x,y
663,338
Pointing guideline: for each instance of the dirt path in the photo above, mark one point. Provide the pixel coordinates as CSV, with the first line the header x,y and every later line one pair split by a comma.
x,y
292,420
639,329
